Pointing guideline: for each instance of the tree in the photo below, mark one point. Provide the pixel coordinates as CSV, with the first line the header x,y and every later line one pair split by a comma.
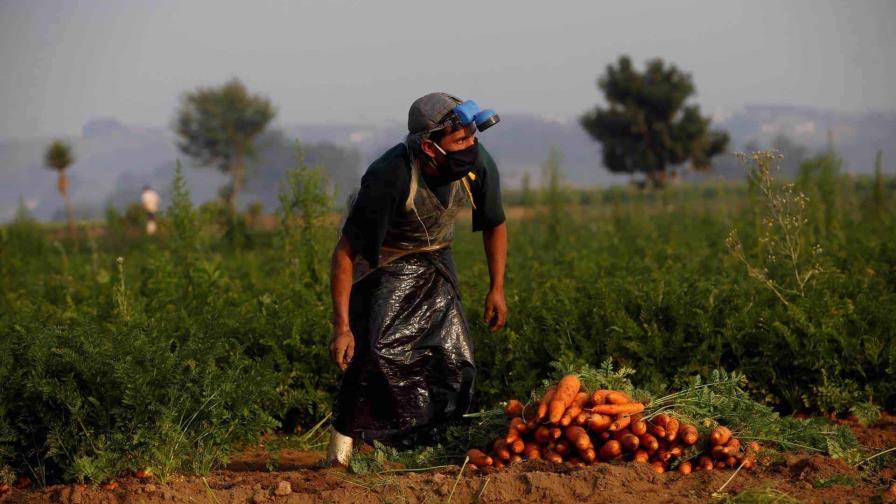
x,y
59,157
647,126
217,126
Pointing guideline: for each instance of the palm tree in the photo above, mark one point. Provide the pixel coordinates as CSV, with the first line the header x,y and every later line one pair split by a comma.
x,y
59,157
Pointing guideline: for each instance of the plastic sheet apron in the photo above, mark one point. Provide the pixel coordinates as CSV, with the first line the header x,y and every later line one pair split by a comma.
x,y
413,367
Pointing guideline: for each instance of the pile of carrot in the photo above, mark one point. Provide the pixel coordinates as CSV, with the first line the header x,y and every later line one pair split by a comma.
x,y
572,426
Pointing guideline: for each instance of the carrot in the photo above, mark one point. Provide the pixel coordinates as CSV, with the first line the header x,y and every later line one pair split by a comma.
x,y
578,437
599,396
663,454
620,423
672,429
574,409
516,458
499,464
639,426
641,456
562,447
718,452
618,409
617,397
556,432
589,455
720,464
748,462
610,450
566,392
732,447
720,436
515,429
658,466
753,447
517,446
676,451
705,463
502,451
514,408
542,434
543,405
109,486
552,456
479,458
657,430
684,467
649,443
599,423
531,451
143,473
630,442
689,435
662,419
731,462
582,419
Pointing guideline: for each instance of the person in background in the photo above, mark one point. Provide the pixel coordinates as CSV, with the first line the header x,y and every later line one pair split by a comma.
x,y
399,329
150,201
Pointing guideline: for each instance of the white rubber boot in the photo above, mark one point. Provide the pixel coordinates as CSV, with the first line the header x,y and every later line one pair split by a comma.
x,y
340,450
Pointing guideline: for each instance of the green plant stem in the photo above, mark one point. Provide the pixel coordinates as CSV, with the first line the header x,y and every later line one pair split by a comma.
x,y
457,480
878,454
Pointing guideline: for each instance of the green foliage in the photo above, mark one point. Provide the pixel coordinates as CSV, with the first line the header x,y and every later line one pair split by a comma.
x,y
647,125
58,155
217,126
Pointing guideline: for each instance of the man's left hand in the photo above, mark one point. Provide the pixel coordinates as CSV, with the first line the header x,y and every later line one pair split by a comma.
x,y
495,310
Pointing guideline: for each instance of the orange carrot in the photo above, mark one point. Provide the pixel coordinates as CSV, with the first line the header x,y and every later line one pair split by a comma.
x,y
589,455
610,450
720,464
630,442
657,430
720,435
617,397
663,455
566,392
556,432
552,456
689,435
599,423
582,419
574,409
731,462
545,401
514,408
501,450
658,466
620,423
479,458
649,443
516,458
705,463
542,434
499,464
639,426
662,419
618,409
641,456
676,451
578,437
672,429
732,447
684,467
599,396
718,452
517,446
531,451
515,429
562,447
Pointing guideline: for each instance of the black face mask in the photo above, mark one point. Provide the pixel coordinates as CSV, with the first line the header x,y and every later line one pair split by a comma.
x,y
458,163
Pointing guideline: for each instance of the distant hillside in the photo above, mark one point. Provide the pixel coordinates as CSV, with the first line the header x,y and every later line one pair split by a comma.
x,y
115,160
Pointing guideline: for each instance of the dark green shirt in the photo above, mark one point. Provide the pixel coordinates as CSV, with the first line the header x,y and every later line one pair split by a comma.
x,y
385,187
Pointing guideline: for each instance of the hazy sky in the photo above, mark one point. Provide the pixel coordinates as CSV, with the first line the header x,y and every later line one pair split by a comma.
x,y
65,62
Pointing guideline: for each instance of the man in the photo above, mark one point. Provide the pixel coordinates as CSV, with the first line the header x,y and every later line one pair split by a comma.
x,y
150,201
399,330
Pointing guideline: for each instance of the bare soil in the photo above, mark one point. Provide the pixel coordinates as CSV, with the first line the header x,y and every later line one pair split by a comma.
x,y
301,479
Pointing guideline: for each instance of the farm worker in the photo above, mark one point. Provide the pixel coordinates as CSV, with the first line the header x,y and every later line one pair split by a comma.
x,y
150,201
399,330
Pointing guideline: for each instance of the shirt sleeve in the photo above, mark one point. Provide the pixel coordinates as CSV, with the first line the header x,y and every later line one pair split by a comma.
x,y
486,189
376,202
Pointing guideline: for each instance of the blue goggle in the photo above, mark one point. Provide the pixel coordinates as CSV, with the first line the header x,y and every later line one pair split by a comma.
x,y
468,113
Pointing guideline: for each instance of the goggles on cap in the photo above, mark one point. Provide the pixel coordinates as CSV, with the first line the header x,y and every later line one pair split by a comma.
x,y
467,114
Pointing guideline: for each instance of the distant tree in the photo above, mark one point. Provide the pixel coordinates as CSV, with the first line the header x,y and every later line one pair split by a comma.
x,y
217,126
59,157
646,126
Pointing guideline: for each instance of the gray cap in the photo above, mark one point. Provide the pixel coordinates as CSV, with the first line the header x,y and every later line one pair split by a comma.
x,y
427,111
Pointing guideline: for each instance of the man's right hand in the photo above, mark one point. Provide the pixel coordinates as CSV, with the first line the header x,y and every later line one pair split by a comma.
x,y
342,347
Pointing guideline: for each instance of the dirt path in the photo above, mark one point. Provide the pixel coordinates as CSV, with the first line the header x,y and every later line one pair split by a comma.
x,y
300,479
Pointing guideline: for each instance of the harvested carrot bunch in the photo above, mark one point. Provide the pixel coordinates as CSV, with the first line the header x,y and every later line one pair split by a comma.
x,y
579,427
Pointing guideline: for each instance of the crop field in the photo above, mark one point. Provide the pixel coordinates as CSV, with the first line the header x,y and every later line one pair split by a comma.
x,y
178,352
